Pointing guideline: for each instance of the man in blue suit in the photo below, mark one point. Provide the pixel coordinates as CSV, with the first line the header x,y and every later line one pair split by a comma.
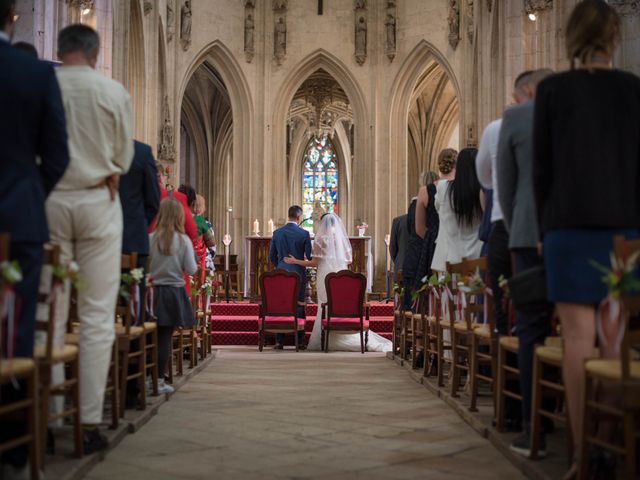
x,y
32,123
292,240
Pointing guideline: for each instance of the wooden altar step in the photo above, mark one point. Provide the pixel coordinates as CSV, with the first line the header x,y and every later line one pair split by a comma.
x,y
237,323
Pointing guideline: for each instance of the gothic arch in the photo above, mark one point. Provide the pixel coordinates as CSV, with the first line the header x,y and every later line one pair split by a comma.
x,y
402,92
353,198
221,58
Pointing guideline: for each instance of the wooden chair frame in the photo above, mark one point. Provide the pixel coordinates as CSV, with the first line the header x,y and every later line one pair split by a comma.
x,y
265,313
362,313
49,356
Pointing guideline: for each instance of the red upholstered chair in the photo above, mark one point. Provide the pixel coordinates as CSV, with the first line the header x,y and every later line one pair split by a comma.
x,y
345,310
279,305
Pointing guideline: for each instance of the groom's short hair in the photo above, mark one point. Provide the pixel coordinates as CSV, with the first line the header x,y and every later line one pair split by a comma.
x,y
295,211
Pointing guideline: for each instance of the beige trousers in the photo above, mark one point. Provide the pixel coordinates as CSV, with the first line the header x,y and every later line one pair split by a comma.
x,y
87,225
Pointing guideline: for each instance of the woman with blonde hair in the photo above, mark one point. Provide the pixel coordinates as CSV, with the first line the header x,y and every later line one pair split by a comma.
x,y
585,118
172,256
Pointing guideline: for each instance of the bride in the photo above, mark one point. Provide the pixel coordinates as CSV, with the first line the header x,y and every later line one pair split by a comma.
x,y
332,253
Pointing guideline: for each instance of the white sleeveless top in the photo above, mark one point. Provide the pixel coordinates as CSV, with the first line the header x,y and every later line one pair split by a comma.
x,y
454,241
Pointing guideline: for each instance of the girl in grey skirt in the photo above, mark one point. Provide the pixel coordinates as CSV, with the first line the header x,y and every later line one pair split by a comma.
x,y
171,255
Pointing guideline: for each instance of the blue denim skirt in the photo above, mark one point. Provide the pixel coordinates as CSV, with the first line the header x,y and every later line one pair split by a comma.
x,y
569,255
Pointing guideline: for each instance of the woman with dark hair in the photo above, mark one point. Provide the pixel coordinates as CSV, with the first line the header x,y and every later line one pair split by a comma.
x,y
427,224
459,205
585,118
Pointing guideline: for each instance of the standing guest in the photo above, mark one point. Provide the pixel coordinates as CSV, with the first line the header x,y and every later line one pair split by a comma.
x,y
581,206
205,228
459,204
411,256
32,124
84,211
140,199
398,243
427,224
515,184
201,225
190,228
27,48
172,256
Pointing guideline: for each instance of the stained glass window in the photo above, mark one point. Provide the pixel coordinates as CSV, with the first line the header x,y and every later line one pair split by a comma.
x,y
319,179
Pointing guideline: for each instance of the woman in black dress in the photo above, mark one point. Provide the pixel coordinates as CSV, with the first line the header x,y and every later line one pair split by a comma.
x,y
585,119
426,225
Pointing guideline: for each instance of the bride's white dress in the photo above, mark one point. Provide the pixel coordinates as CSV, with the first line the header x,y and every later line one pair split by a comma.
x,y
324,249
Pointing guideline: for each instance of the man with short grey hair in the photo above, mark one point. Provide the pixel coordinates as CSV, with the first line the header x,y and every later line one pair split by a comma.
x,y
84,211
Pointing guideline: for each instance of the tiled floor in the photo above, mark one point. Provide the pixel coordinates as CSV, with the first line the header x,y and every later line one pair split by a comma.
x,y
280,415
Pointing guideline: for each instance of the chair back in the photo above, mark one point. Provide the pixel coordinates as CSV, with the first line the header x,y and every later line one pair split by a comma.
x,y
279,291
345,293
124,306
623,249
46,307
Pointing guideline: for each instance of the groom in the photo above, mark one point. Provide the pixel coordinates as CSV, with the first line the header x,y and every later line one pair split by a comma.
x,y
292,240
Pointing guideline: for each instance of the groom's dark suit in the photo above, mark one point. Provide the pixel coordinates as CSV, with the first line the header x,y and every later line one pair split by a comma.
x,y
292,240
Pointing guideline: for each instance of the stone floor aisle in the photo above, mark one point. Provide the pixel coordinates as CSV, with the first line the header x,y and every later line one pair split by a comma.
x,y
280,415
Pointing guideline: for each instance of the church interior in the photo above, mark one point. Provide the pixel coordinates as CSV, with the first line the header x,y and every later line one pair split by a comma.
x,y
338,107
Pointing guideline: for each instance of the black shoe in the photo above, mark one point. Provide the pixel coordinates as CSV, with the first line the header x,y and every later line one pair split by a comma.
x,y
419,360
278,347
302,347
94,441
602,464
522,445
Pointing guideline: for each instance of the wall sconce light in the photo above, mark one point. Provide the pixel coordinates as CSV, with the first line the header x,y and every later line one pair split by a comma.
x,y
86,11
15,18
532,17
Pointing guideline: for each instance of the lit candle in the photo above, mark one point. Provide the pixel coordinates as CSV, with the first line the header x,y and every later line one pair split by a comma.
x,y
271,226
256,227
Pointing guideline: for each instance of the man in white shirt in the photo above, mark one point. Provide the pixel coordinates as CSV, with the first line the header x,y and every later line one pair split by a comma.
x,y
498,257
84,211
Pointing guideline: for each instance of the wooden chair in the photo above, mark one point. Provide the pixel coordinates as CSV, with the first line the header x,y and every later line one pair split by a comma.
x,y
432,339
345,310
48,355
506,345
126,335
398,314
545,358
406,334
620,374
445,325
278,309
150,326
24,406
462,331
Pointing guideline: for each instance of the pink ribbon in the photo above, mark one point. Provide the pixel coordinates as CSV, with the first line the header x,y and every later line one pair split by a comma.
x,y
485,307
135,303
8,310
148,300
433,297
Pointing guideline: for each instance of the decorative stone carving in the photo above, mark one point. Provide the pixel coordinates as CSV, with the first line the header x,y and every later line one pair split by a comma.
x,y
166,149
185,25
81,5
533,6
147,6
454,23
249,29
360,27
280,30
361,40
626,7
470,20
489,5
171,21
390,30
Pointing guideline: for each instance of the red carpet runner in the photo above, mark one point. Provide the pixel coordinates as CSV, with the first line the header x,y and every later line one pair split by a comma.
x,y
237,323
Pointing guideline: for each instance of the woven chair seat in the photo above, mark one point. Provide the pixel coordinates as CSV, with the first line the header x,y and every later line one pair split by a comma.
x,y
510,343
63,354
482,331
550,354
150,326
16,367
133,331
611,369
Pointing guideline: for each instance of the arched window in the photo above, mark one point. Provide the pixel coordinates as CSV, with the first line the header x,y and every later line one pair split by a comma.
x,y
319,179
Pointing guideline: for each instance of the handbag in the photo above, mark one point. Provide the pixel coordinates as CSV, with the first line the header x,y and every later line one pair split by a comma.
x,y
209,238
528,290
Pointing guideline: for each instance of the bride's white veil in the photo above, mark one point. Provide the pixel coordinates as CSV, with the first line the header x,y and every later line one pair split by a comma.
x,y
331,241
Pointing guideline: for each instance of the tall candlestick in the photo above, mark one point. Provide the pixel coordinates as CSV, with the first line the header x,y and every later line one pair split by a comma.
x,y
387,242
271,226
256,227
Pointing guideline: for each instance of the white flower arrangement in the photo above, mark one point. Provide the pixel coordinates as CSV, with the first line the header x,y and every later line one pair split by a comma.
x,y
10,272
